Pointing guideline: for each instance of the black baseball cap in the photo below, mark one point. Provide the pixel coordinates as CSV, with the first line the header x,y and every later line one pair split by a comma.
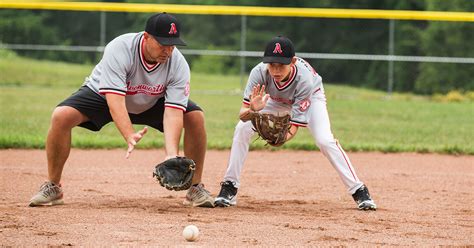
x,y
165,28
279,50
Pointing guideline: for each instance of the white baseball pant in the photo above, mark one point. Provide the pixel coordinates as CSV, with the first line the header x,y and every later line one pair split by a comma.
x,y
320,128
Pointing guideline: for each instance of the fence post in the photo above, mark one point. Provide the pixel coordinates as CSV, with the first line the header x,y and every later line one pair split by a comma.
x,y
391,51
243,38
102,28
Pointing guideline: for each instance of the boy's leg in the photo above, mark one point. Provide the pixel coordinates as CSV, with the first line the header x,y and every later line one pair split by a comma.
x,y
238,153
320,127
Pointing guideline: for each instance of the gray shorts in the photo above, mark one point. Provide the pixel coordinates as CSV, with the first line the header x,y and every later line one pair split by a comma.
x,y
96,109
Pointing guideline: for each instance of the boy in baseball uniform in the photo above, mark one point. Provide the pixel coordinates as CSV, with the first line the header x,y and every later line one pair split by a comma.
x,y
284,83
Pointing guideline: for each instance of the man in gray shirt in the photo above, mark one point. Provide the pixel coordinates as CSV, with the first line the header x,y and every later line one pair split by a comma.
x,y
142,78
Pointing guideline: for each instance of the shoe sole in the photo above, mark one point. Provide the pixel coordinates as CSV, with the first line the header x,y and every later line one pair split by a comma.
x,y
367,206
51,203
206,204
223,203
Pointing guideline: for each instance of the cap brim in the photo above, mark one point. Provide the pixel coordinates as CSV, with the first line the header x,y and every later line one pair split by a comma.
x,y
281,60
170,41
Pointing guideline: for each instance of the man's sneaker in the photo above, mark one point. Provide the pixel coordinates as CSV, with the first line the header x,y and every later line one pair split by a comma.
x,y
198,196
228,195
49,194
363,200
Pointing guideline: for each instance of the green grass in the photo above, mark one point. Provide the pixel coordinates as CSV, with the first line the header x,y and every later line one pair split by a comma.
x,y
362,120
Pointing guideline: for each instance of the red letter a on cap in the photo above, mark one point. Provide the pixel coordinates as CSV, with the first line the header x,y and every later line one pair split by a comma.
x,y
277,48
173,29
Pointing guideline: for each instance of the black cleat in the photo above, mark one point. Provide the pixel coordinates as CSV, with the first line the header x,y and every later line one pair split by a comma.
x,y
363,200
228,195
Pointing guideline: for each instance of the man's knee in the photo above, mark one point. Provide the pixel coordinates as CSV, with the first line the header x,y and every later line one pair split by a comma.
x,y
194,119
66,117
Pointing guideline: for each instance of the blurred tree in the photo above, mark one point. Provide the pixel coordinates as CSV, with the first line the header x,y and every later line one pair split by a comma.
x,y
312,35
27,28
450,39
407,39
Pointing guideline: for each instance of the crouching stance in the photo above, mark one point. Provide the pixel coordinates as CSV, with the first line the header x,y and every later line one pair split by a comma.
x,y
283,83
141,79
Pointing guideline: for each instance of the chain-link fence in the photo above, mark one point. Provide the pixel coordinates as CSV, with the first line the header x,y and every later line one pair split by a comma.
x,y
394,55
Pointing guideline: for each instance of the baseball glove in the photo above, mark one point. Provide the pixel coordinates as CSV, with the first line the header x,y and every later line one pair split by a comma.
x,y
273,129
175,173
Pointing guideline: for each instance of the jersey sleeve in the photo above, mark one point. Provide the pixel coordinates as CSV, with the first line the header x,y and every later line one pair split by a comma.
x,y
115,64
256,77
302,101
178,88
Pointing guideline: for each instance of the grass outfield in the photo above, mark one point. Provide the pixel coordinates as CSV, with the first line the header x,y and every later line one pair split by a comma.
x,y
362,120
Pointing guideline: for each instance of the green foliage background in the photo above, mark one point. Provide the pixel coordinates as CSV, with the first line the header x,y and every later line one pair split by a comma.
x,y
362,120
315,35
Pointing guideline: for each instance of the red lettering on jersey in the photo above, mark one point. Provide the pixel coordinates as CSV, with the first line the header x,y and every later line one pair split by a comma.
x,y
187,89
145,89
173,29
304,105
282,100
277,48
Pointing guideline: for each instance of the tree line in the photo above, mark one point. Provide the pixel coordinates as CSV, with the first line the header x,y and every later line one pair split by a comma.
x,y
312,35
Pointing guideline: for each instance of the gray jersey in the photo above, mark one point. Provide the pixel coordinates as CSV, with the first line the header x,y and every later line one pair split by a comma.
x,y
124,71
294,96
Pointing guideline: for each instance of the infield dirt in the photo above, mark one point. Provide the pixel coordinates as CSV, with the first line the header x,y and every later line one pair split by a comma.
x,y
287,198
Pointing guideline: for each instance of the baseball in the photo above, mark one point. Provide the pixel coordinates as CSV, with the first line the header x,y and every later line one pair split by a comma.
x,y
191,232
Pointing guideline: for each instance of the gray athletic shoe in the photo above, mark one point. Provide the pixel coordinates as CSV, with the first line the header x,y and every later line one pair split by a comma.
x,y
198,196
49,194
228,195
363,200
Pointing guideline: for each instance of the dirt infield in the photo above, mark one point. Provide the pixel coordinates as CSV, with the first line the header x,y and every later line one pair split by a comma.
x,y
287,198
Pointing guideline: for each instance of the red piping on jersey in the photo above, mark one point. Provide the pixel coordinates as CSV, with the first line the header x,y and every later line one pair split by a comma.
x,y
347,162
175,107
318,89
290,80
149,67
110,92
298,124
